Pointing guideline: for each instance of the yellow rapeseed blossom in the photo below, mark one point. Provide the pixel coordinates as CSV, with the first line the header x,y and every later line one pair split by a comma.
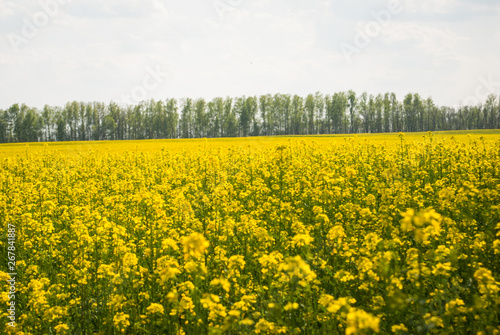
x,y
224,283
291,306
300,240
264,326
121,321
61,328
155,308
194,245
359,321
399,329
486,282
324,235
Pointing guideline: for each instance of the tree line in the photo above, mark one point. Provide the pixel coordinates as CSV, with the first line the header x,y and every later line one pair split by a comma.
x,y
265,115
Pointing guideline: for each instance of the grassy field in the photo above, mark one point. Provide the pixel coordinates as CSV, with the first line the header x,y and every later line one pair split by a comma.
x,y
380,233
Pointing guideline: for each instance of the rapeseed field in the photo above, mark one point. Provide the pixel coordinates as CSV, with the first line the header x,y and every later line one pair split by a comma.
x,y
390,234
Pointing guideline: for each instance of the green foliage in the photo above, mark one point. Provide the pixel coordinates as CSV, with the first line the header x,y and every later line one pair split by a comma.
x,y
267,115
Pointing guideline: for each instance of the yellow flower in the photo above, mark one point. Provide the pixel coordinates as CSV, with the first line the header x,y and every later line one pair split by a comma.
x,y
216,310
442,269
116,301
186,304
61,328
191,267
237,262
129,260
435,321
169,243
291,306
121,321
155,308
194,245
336,234
300,240
334,305
456,306
496,247
296,267
424,224
401,328
359,321
224,283
486,282
246,322
246,302
168,268
264,326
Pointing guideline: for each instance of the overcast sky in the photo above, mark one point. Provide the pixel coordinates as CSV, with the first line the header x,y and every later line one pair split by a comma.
x,y
55,51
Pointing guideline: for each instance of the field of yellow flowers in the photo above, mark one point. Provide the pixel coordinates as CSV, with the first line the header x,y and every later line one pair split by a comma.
x,y
391,234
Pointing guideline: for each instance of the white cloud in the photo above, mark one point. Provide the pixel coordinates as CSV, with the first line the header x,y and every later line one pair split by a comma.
x,y
430,6
436,40
9,8
96,51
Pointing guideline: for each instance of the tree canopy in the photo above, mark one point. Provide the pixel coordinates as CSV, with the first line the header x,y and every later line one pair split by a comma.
x,y
265,115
